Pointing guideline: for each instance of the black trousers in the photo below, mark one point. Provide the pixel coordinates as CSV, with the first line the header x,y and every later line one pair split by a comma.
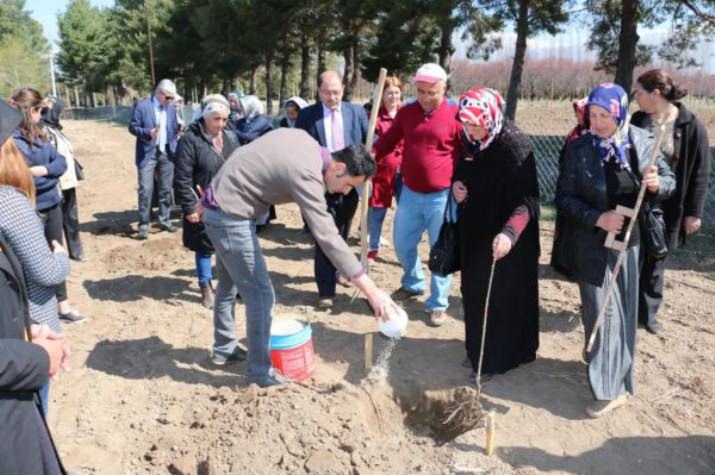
x,y
52,220
342,207
650,289
70,223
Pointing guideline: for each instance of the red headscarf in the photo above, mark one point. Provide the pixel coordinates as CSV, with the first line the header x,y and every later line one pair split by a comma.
x,y
483,107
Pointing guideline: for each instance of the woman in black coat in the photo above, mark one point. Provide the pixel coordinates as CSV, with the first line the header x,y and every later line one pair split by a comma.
x,y
203,149
600,171
687,151
496,186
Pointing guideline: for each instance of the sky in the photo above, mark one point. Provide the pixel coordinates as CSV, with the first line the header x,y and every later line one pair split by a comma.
x,y
45,11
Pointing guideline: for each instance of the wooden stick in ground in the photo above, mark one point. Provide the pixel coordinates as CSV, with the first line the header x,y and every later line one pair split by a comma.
x,y
368,351
491,432
622,253
364,197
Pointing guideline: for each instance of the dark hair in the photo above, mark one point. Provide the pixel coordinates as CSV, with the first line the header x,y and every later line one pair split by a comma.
x,y
660,80
25,99
357,160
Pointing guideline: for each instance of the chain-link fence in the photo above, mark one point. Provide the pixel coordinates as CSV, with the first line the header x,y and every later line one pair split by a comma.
x,y
546,124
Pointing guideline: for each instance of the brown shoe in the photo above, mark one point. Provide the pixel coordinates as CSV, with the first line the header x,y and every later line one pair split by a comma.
x,y
404,294
207,295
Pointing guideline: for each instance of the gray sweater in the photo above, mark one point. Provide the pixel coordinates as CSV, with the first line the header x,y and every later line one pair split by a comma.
x,y
283,166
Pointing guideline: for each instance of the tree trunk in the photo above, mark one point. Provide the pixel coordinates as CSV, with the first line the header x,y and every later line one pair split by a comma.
x,y
445,49
627,42
304,68
356,67
347,76
517,68
285,64
252,83
321,65
269,83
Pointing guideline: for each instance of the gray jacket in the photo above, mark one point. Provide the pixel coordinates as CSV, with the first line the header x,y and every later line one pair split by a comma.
x,y
581,197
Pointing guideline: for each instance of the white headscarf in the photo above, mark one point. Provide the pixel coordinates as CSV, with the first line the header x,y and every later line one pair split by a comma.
x,y
214,103
251,107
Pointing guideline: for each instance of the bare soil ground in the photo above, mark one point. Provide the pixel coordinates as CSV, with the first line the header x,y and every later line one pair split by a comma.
x,y
143,397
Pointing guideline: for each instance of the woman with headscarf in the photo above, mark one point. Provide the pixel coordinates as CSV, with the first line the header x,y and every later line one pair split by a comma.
x,y
498,219
601,170
235,113
292,107
202,151
70,178
687,151
252,125
47,165
385,183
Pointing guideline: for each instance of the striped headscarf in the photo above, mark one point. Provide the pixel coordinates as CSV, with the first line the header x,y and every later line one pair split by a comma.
x,y
483,107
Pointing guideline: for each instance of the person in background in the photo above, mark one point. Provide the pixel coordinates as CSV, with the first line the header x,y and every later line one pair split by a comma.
x,y
687,151
334,124
386,181
70,178
601,170
235,115
292,107
25,236
47,166
253,124
202,151
498,219
153,122
179,108
431,135
579,111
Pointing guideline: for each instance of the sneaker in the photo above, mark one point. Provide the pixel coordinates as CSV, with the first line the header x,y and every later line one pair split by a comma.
x,y
404,294
325,303
273,378
239,354
168,227
143,232
437,318
207,295
72,317
601,408
372,255
654,328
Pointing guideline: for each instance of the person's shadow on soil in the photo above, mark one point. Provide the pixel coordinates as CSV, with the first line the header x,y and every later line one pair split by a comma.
x,y
135,287
152,358
652,455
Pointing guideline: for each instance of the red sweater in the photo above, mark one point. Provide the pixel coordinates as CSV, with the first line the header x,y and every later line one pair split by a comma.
x,y
432,145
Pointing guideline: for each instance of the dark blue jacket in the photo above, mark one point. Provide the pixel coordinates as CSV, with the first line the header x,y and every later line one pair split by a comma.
x,y
311,120
43,154
142,120
249,131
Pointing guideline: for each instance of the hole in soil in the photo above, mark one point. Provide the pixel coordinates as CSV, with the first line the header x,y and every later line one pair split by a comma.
x,y
443,415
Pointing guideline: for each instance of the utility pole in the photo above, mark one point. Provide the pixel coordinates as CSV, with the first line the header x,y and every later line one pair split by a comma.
x,y
151,50
52,74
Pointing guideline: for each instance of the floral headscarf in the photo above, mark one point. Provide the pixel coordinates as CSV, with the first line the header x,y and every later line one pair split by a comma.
x,y
614,99
482,107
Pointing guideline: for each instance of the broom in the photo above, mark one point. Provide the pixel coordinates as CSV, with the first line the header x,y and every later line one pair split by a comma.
x,y
466,412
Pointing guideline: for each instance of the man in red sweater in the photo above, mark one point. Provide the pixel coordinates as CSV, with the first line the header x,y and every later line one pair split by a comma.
x,y
431,145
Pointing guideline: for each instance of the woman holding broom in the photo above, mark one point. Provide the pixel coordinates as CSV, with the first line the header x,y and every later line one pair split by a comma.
x,y
602,169
496,187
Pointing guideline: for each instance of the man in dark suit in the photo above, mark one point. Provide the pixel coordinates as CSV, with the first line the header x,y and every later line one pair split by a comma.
x,y
154,124
335,124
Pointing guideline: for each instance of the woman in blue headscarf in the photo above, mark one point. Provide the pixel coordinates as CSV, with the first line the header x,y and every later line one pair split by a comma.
x,y
602,169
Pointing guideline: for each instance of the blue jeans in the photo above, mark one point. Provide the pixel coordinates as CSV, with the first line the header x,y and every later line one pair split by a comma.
x,y
416,213
45,397
375,218
240,266
203,267
146,187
